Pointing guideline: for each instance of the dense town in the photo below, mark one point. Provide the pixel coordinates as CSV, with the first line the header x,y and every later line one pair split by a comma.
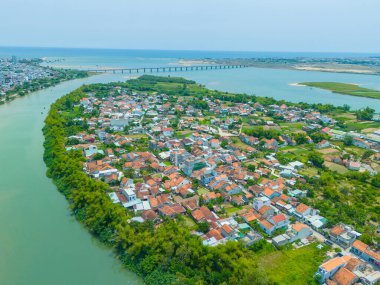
x,y
231,171
18,77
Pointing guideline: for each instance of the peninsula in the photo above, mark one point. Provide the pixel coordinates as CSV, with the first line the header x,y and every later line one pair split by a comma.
x,y
194,186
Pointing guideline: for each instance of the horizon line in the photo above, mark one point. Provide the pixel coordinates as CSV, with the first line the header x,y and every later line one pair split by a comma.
x,y
187,50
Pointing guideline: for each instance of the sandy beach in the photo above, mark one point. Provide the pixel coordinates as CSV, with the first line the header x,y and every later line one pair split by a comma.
x,y
188,62
326,69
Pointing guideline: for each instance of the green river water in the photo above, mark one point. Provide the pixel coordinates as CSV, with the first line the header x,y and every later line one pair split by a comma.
x,y
40,242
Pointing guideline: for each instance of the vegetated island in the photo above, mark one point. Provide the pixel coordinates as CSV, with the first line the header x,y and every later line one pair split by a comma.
x,y
105,164
344,88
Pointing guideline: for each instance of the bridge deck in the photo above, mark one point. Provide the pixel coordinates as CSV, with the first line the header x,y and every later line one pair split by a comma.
x,y
166,68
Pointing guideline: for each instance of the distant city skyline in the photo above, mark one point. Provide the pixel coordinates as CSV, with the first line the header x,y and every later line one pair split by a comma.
x,y
208,25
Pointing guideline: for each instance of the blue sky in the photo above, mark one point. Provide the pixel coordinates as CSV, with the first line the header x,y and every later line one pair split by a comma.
x,y
247,25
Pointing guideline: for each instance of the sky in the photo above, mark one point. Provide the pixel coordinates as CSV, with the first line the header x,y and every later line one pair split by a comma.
x,y
237,25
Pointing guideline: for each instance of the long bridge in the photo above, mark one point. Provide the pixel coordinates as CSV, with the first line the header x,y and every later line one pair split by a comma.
x,y
166,68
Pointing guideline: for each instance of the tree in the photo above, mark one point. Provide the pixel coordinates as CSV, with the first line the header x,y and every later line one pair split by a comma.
x,y
316,159
251,167
203,227
376,180
348,140
98,156
318,137
367,154
346,107
366,238
300,138
326,179
365,114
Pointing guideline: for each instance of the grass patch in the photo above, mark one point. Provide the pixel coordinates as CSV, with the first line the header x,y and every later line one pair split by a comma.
x,y
309,171
183,134
358,126
328,151
137,136
239,144
293,266
189,223
346,89
231,210
291,126
202,191
336,167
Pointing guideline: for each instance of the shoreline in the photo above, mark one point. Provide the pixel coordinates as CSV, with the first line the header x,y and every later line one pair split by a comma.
x,y
296,84
333,70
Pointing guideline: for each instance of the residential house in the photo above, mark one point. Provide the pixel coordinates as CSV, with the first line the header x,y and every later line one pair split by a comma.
x,y
302,211
203,214
345,277
323,144
363,251
260,202
279,221
266,211
297,231
266,226
330,267
343,235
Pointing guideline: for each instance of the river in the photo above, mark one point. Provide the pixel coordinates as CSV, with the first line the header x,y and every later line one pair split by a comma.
x,y
40,242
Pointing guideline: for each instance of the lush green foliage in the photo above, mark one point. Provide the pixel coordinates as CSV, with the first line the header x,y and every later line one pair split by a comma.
x,y
344,88
316,158
365,114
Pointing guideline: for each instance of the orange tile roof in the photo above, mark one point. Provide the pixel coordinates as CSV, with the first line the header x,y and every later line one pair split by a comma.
x,y
263,209
266,224
268,192
299,226
344,277
250,217
215,233
366,249
333,263
302,208
227,228
353,263
197,215
284,197
337,230
279,218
